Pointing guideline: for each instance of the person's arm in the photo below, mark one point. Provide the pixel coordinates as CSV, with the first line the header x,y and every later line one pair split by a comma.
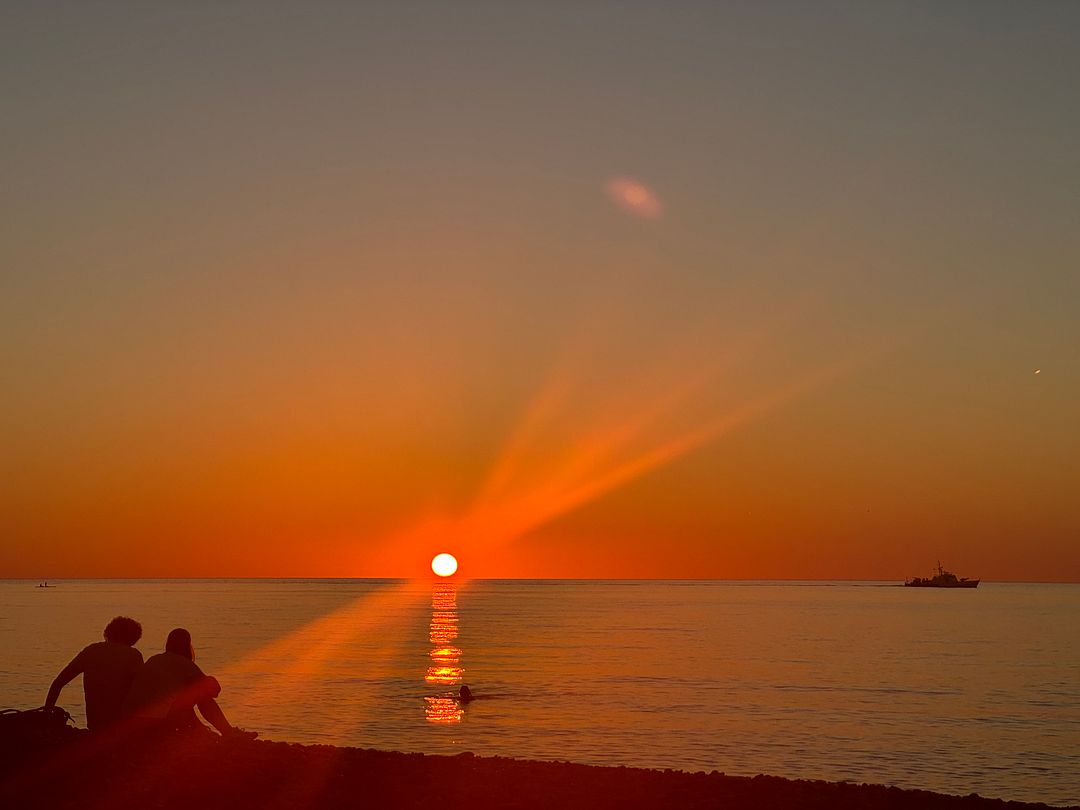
x,y
66,676
215,716
201,692
209,688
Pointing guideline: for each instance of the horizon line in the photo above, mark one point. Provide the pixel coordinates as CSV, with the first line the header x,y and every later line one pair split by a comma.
x,y
499,579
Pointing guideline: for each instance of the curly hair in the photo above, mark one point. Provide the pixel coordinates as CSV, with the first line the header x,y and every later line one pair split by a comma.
x,y
123,631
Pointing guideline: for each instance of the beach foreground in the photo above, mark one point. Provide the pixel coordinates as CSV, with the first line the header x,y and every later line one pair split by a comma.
x,y
212,773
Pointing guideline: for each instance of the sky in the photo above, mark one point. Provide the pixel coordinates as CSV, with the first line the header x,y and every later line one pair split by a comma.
x,y
600,289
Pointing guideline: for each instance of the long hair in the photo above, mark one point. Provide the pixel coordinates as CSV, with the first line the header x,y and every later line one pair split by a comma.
x,y
179,642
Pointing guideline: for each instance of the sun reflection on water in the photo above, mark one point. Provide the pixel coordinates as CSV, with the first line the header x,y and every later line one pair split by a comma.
x,y
445,668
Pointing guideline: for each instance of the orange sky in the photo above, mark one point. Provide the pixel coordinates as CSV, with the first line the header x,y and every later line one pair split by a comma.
x,y
628,292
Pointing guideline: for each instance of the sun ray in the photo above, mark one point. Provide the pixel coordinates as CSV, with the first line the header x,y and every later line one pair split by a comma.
x,y
562,456
284,668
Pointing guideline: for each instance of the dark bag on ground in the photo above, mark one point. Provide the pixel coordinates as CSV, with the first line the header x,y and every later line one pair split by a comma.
x,y
47,724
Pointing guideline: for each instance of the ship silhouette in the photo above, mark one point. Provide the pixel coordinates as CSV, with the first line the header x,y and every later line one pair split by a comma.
x,y
942,579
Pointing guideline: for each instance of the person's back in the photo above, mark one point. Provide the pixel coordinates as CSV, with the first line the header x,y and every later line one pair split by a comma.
x,y
160,680
108,668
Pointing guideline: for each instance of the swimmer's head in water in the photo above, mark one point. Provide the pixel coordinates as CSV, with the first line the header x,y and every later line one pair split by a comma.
x,y
465,693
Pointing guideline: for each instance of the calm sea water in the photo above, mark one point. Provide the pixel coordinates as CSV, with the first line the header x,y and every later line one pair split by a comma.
x,y
956,691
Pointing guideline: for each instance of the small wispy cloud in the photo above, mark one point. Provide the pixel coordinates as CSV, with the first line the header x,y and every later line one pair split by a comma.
x,y
634,197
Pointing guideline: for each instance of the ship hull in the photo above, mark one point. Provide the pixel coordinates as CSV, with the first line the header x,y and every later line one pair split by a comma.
x,y
971,583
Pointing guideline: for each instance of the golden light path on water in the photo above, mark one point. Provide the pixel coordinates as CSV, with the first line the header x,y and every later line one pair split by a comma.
x,y
445,669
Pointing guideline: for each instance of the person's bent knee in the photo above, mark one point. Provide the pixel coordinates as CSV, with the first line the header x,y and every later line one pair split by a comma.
x,y
209,688
206,688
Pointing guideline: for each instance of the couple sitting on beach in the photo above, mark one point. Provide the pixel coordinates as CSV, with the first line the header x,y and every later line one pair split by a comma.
x,y
160,694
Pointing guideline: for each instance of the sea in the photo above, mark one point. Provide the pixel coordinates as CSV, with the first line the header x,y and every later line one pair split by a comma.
x,y
957,691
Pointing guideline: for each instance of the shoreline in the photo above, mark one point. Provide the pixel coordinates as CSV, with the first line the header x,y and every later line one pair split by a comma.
x,y
214,774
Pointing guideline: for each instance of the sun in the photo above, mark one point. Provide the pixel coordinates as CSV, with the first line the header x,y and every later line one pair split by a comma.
x,y
444,564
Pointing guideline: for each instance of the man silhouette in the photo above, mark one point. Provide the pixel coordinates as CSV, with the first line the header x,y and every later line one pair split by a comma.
x,y
108,668
169,687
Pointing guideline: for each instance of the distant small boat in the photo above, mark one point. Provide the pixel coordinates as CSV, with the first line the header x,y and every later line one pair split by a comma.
x,y
942,579
45,584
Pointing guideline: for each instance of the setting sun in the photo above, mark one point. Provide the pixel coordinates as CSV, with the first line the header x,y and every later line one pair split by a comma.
x,y
444,564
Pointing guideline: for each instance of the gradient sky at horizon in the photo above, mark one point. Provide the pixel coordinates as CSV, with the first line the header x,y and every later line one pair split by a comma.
x,y
746,290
